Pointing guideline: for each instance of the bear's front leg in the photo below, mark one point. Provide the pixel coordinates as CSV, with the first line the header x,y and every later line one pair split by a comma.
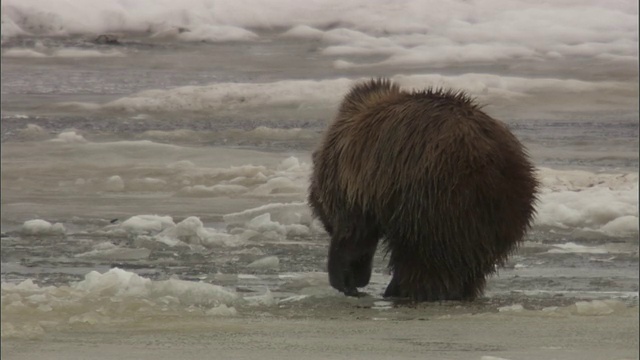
x,y
341,275
351,259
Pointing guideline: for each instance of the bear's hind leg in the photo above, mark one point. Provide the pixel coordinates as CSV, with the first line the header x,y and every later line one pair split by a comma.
x,y
474,286
393,289
421,290
414,279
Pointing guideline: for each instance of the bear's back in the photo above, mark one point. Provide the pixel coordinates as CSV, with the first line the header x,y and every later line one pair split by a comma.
x,y
410,142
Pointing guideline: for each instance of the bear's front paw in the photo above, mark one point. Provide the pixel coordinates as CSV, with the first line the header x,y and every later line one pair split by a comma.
x,y
352,292
343,280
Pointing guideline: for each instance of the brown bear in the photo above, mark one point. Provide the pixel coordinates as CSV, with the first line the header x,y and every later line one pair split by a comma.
x,y
450,190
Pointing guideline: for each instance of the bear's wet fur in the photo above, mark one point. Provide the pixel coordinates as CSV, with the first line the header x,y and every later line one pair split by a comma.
x,y
448,189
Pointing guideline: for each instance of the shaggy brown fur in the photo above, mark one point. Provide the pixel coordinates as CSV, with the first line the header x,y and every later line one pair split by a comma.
x,y
449,189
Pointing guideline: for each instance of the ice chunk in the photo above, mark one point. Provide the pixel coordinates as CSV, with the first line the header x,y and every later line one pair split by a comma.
x,y
571,247
114,184
263,223
115,282
147,184
266,263
277,185
22,53
33,132
289,164
511,308
263,132
121,283
90,318
31,330
294,298
109,251
622,226
303,31
192,231
145,224
587,308
607,203
250,251
285,214
193,293
69,137
266,299
597,307
217,33
297,230
42,227
212,191
181,165
113,296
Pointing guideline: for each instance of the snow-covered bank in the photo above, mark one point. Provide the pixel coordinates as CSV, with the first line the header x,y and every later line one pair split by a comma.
x,y
407,32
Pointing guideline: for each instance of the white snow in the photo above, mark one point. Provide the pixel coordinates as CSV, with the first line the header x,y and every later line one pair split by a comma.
x,y
409,33
42,227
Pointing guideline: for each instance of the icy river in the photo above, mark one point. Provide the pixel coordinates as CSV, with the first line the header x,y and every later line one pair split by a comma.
x,y
154,181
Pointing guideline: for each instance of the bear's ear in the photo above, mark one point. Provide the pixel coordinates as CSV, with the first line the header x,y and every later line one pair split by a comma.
x,y
365,94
